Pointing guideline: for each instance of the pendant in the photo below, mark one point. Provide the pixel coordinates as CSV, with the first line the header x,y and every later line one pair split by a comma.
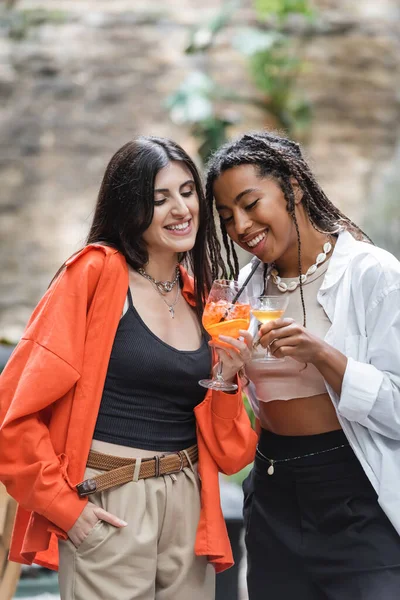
x,y
165,286
271,469
171,311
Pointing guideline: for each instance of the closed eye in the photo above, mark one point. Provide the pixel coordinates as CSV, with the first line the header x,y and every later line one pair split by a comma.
x,y
187,194
252,205
159,202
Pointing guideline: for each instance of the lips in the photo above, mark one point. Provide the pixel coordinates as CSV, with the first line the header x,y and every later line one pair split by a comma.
x,y
254,241
181,227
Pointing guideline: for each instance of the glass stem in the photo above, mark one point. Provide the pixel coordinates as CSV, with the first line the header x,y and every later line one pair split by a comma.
x,y
219,371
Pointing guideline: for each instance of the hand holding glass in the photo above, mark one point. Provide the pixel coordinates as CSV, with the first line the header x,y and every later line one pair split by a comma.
x,y
266,309
222,317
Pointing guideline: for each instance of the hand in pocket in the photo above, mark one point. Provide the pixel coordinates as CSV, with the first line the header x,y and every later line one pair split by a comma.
x,y
88,519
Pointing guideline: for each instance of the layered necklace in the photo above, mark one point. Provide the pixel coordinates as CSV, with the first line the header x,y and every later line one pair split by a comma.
x,y
292,285
163,287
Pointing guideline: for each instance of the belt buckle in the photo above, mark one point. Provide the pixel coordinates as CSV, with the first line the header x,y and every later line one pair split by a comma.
x,y
87,487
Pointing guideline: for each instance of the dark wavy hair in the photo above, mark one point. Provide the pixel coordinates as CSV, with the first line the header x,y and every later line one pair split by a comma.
x,y
280,158
125,208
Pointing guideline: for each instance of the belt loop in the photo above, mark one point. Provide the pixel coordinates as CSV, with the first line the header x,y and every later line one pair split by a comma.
x,y
182,454
136,472
185,452
157,465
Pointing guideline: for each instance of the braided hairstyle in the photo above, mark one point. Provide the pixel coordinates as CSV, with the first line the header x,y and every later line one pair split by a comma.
x,y
280,158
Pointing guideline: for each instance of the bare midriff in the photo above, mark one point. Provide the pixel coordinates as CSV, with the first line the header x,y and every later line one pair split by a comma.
x,y
299,416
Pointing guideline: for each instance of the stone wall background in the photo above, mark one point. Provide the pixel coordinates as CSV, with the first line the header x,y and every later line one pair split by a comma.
x,y
72,93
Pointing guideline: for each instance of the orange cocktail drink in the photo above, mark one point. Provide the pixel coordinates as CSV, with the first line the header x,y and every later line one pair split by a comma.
x,y
224,314
225,318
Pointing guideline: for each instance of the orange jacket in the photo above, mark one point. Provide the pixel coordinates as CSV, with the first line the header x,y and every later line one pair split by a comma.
x,y
50,392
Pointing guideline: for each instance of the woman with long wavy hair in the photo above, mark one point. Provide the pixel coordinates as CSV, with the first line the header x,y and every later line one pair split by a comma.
x,y
105,432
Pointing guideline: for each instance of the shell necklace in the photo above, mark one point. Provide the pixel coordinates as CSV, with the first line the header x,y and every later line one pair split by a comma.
x,y
292,285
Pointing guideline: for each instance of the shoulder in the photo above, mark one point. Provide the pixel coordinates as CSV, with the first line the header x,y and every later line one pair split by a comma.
x,y
375,273
78,278
88,263
372,263
73,288
92,254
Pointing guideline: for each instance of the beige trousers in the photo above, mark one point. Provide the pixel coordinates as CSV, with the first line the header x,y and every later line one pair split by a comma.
x,y
150,559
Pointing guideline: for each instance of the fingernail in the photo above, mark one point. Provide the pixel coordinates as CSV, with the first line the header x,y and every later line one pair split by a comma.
x,y
123,523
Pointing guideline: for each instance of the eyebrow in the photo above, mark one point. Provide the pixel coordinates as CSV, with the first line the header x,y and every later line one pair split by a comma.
x,y
165,190
239,197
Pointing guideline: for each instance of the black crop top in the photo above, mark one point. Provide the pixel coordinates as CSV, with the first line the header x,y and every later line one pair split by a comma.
x,y
151,389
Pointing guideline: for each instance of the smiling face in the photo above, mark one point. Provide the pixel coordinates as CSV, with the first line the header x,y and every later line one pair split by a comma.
x,y
176,211
253,210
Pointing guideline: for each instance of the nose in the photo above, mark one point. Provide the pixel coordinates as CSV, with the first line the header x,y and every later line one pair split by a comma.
x,y
242,222
180,208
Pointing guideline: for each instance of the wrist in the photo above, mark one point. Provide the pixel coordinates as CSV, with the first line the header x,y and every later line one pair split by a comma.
x,y
321,355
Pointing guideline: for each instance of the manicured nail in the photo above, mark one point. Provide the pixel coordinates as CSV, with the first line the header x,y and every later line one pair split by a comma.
x,y
123,523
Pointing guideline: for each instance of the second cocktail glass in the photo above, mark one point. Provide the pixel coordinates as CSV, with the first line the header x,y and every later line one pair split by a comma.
x,y
266,309
223,317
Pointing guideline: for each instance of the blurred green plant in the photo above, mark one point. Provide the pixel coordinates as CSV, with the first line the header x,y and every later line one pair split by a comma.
x,y
282,9
272,60
249,411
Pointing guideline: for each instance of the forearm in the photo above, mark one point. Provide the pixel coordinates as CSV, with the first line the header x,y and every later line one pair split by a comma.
x,y
332,365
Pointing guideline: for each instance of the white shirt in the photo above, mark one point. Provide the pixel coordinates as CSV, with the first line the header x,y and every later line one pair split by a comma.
x,y
361,297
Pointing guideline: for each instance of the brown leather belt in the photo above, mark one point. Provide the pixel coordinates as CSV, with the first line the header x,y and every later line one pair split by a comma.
x,y
120,470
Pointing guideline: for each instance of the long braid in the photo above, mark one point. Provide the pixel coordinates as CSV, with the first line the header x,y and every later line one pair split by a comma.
x,y
218,268
235,258
290,200
228,249
280,158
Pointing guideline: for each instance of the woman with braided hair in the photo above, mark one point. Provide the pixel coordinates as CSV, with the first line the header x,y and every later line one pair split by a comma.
x,y
322,501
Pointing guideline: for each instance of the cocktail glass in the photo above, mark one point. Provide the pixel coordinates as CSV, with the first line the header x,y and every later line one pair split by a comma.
x,y
223,317
266,309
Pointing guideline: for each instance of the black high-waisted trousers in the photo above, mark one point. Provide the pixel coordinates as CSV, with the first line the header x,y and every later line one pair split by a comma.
x,y
314,529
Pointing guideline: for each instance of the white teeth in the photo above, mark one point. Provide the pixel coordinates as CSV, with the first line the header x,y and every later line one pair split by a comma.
x,y
179,227
256,240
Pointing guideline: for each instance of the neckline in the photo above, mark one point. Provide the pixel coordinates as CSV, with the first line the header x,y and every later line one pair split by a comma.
x,y
321,270
132,308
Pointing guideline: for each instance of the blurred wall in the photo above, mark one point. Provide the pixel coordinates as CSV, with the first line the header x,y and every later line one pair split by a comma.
x,y
77,87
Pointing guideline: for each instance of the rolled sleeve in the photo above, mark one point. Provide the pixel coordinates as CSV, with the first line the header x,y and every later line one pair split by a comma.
x,y
360,388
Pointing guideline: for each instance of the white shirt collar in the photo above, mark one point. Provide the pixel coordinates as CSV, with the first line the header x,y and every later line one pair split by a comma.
x,y
344,249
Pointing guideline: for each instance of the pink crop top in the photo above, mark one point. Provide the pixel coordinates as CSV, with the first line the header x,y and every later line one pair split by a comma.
x,y
289,379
